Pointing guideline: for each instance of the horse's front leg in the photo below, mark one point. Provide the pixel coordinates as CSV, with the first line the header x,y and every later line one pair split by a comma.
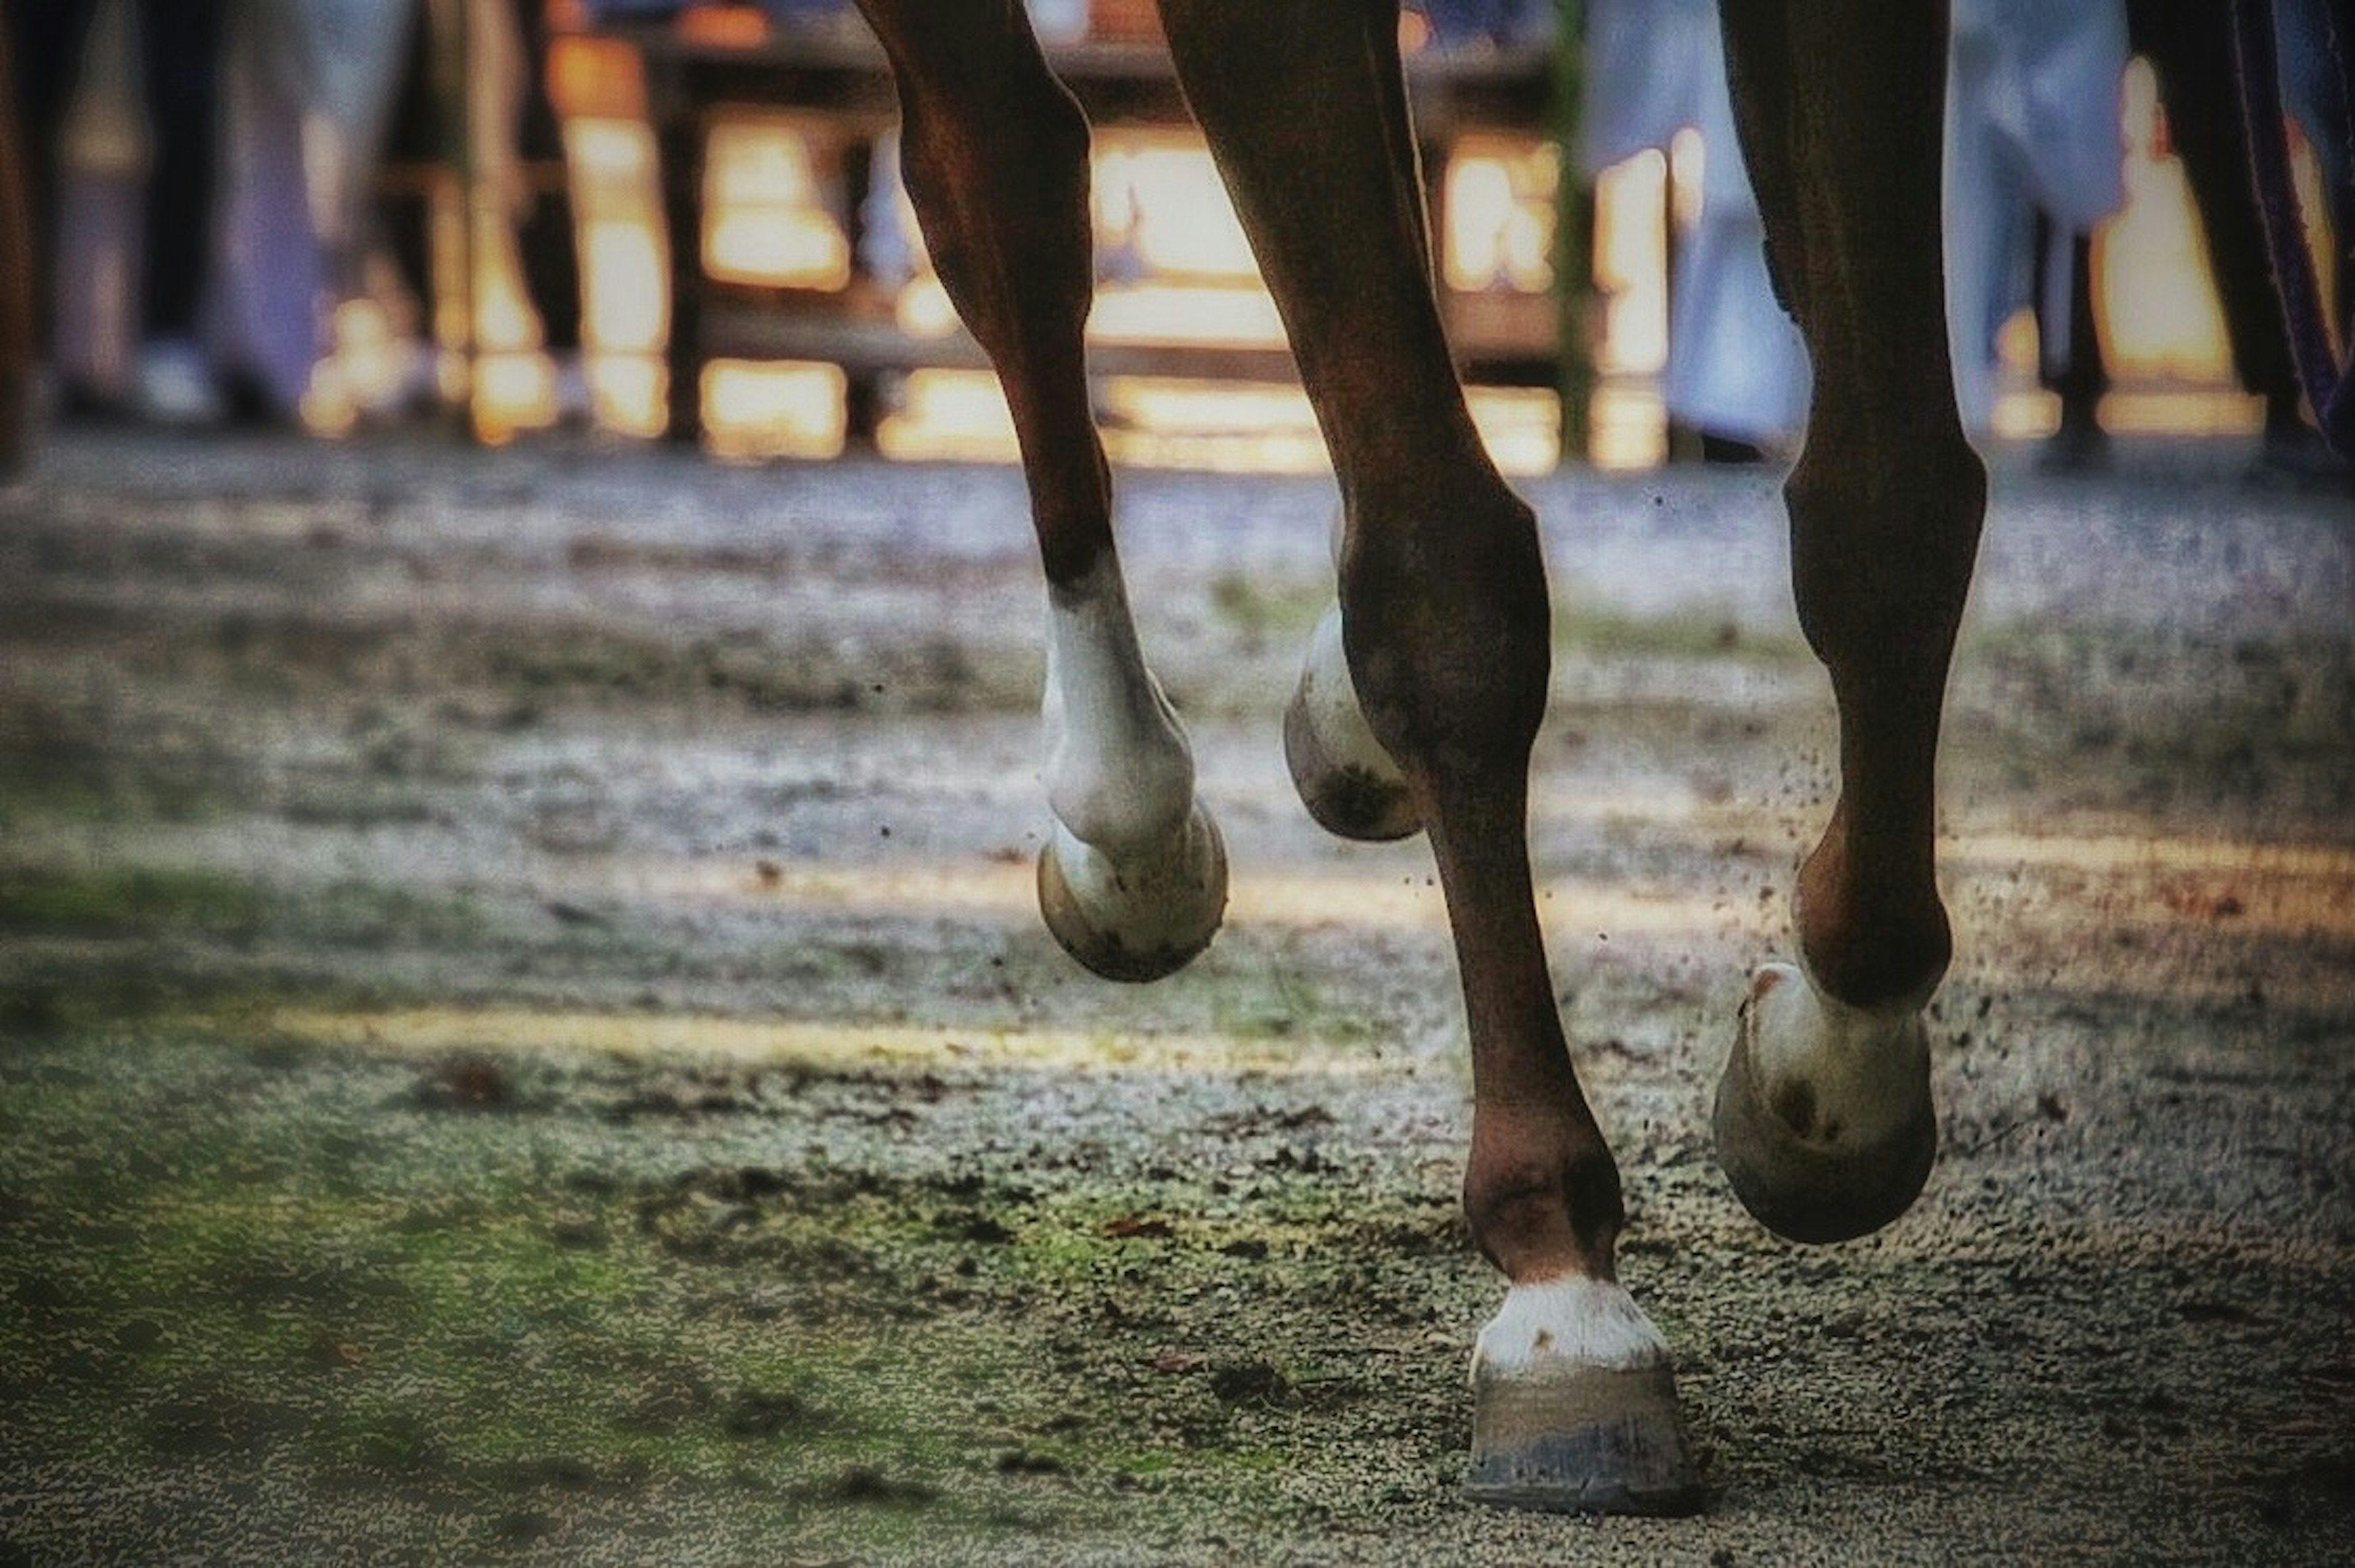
x,y
1824,1116
1445,631
1132,881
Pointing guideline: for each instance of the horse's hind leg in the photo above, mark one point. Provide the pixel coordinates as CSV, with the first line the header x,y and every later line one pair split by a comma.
x,y
996,156
1447,632
1824,1119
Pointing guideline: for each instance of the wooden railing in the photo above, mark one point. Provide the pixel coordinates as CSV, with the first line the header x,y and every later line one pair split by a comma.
x,y
839,80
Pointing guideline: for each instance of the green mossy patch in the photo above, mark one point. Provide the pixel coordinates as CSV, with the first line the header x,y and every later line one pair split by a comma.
x,y
251,1255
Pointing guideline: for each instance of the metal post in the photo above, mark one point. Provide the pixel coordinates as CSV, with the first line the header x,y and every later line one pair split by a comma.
x,y
450,212
1578,319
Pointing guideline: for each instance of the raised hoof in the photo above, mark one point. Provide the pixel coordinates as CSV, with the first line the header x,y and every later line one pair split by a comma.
x,y
1799,1171
1140,919
1349,785
1566,1437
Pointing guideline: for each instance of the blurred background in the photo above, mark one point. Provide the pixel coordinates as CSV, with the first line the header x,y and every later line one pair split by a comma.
x,y
685,222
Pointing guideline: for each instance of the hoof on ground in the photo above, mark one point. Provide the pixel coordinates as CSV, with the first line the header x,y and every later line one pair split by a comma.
x,y
1824,1121
1143,916
1344,778
1575,1407
1576,1439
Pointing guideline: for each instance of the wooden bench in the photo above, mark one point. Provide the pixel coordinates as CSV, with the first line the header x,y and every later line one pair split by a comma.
x,y
840,80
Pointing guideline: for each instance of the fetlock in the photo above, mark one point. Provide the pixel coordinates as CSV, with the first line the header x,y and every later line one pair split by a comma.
x,y
1448,634
1539,1203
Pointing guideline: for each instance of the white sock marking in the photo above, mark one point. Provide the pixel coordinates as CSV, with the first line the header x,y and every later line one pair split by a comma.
x,y
1330,697
1584,1322
1119,774
1864,1067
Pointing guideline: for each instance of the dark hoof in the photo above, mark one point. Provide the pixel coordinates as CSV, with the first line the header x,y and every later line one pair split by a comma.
x,y
1567,1438
1140,922
1805,1189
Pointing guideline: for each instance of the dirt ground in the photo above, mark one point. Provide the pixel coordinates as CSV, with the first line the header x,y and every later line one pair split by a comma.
x,y
523,1036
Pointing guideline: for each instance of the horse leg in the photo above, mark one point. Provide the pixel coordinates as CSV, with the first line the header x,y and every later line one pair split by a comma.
x,y
1824,1119
1445,630
995,153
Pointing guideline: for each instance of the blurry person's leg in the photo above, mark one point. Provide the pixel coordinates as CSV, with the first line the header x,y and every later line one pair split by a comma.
x,y
2069,348
45,40
2316,89
2190,48
180,53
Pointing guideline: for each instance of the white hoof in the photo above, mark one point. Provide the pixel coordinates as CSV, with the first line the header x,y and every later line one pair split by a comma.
x,y
1346,779
1574,1406
1144,915
1824,1120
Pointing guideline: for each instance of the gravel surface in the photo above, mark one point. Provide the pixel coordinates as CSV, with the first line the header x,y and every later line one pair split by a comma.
x,y
523,1034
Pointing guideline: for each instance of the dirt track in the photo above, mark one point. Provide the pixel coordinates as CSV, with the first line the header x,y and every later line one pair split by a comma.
x,y
523,1035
